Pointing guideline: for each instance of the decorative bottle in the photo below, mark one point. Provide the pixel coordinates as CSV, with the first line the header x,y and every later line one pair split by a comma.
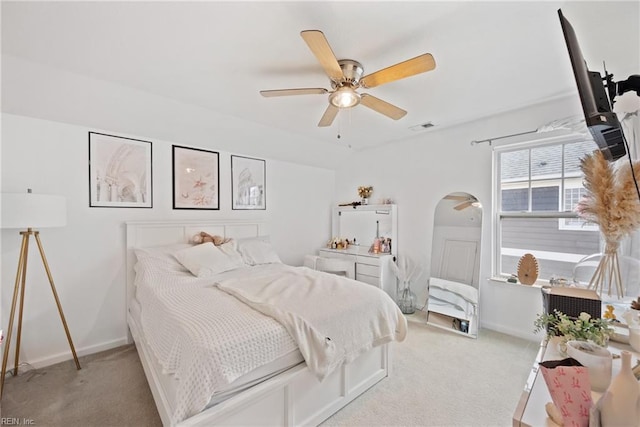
x,y
620,404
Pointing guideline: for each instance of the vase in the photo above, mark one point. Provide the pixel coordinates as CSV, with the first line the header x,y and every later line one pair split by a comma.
x,y
620,404
406,299
607,273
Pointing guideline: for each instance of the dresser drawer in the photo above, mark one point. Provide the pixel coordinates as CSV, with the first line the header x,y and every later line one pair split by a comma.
x,y
369,270
369,260
339,255
375,281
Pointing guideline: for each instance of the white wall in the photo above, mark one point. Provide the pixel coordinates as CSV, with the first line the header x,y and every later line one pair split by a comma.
x,y
87,257
417,173
34,90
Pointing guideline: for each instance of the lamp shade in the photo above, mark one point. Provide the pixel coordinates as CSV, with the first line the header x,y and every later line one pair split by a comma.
x,y
28,210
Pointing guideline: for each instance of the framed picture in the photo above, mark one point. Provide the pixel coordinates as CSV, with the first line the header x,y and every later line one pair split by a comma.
x,y
196,178
119,172
248,183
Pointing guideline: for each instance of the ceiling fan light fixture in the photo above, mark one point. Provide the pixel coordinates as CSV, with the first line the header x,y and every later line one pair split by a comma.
x,y
344,97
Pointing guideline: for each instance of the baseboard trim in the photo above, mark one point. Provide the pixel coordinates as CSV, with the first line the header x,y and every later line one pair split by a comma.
x,y
509,331
84,351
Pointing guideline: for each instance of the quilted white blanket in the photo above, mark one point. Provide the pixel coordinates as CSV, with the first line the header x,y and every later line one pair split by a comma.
x,y
332,319
201,335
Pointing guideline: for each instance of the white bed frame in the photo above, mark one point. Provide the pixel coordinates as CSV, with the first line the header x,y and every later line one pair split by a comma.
x,y
294,397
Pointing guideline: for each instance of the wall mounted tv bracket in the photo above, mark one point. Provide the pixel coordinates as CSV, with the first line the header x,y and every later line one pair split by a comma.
x,y
618,88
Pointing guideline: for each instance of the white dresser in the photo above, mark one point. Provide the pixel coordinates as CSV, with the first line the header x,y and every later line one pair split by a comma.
x,y
363,224
374,269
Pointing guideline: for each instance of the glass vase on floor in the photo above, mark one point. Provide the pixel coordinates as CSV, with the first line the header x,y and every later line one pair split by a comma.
x,y
406,299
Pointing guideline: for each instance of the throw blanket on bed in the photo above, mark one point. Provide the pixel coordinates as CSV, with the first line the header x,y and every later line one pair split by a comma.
x,y
332,319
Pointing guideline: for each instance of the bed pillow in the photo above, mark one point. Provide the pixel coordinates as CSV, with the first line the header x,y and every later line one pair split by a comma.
x,y
231,250
205,260
257,251
162,256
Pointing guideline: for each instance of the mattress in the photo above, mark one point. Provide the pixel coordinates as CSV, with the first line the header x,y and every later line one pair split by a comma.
x,y
170,382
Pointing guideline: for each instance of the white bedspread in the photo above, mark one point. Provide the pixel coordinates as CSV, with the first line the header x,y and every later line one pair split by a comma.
x,y
203,336
208,338
332,319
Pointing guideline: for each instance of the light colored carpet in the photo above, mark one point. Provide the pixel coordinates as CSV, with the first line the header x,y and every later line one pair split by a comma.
x,y
439,379
444,379
109,390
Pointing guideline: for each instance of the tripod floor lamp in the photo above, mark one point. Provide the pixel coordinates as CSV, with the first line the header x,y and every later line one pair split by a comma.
x,y
27,211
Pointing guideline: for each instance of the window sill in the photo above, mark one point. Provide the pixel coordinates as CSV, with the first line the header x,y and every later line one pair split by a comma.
x,y
503,281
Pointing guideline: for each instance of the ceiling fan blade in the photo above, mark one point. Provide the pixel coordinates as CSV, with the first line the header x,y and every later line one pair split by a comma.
x,y
462,206
319,45
289,92
411,67
453,197
382,107
329,114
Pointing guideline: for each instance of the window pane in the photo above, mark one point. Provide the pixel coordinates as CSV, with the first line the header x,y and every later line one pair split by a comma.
x,y
571,198
556,250
516,200
573,153
546,161
514,166
545,199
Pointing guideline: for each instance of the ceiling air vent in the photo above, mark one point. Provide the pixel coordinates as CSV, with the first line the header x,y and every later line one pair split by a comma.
x,y
423,126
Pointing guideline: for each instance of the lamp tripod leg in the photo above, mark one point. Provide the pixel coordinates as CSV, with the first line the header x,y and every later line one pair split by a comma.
x,y
16,360
16,290
55,295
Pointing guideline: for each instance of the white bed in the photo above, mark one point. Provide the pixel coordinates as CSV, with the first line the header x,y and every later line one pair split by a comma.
x,y
284,392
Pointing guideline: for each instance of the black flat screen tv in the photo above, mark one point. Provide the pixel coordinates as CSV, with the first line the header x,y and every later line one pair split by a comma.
x,y
601,121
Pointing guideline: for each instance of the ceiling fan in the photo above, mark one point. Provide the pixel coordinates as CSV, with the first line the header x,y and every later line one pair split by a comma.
x,y
345,77
465,201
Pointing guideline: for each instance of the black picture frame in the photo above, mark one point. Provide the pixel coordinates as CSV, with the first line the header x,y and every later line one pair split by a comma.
x,y
196,178
120,172
248,183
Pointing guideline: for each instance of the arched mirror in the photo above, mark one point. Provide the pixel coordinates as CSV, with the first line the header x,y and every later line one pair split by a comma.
x,y
455,264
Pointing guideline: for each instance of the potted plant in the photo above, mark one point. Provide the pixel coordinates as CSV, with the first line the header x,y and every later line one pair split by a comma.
x,y
364,191
584,328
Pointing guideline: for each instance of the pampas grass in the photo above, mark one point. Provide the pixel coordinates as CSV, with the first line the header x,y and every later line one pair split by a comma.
x,y
612,203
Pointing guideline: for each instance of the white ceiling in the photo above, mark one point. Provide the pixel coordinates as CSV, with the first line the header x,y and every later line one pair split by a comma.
x,y
490,56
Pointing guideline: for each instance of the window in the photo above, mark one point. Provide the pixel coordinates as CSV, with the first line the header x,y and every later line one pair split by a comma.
x,y
571,198
538,186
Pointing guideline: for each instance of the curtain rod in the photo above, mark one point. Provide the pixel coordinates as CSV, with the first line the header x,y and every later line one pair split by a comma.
x,y
490,140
